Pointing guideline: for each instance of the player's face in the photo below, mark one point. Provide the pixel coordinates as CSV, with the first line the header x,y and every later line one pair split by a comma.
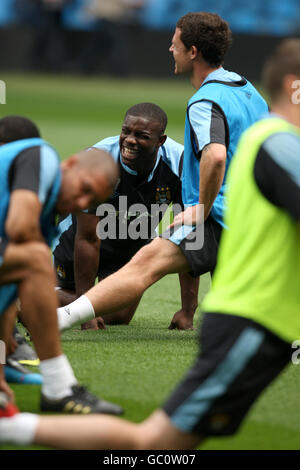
x,y
183,63
140,140
81,188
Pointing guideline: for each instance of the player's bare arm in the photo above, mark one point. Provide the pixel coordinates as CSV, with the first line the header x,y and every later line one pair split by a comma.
x,y
22,223
86,259
184,318
212,170
86,252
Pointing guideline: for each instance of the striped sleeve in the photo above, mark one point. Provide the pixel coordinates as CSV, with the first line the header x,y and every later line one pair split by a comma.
x,y
35,169
208,124
277,172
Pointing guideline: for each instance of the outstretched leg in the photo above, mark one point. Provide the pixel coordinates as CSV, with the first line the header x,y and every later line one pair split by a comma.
x,y
96,432
126,286
151,263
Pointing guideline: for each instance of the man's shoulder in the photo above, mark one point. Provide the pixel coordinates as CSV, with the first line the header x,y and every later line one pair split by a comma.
x,y
172,146
17,147
283,146
110,145
219,83
172,153
272,130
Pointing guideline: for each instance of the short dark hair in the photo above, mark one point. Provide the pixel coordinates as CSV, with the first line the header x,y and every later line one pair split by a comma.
x,y
149,111
209,33
16,128
285,60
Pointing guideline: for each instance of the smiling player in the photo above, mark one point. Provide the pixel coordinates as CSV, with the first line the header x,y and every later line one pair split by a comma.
x,y
150,167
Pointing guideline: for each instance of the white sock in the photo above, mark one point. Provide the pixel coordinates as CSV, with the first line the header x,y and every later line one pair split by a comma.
x,y
58,377
79,311
19,429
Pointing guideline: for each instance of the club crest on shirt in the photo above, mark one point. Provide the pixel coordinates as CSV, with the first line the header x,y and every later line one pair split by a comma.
x,y
61,272
163,195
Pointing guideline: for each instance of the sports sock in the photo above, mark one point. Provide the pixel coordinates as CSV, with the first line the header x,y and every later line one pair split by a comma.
x,y
79,311
19,429
58,377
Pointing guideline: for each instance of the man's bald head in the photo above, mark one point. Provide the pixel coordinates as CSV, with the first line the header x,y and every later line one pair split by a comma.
x,y
94,159
88,178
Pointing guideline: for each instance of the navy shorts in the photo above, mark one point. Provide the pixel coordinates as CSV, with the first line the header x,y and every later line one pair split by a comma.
x,y
238,359
199,246
65,270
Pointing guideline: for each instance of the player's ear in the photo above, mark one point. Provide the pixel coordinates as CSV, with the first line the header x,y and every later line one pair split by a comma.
x,y
193,52
162,139
70,162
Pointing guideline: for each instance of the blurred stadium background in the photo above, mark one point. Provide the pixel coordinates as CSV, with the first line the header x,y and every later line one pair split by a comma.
x,y
130,37
74,67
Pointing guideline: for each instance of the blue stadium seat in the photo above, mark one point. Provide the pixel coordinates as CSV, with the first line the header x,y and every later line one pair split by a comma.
x,y
7,13
76,16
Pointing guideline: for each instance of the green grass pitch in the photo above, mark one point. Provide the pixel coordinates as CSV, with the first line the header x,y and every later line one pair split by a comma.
x,y
137,365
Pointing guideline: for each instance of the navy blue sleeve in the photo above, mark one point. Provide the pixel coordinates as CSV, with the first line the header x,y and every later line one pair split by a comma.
x,y
35,169
25,170
277,172
208,124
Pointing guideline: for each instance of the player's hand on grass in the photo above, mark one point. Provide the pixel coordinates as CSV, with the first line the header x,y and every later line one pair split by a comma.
x,y
95,324
90,325
181,321
101,324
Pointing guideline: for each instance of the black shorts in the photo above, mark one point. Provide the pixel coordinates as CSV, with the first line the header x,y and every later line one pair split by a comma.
x,y
3,245
203,257
65,270
238,359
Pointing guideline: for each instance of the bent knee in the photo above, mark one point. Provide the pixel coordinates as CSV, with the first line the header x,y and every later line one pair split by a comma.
x,y
158,432
38,255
